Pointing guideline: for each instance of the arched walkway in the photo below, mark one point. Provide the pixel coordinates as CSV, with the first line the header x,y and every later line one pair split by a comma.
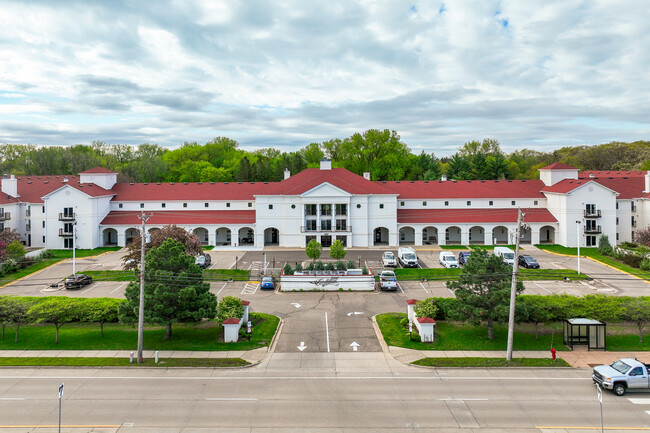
x,y
380,236
500,235
547,235
407,236
110,237
202,234
130,234
452,235
246,236
271,236
477,235
429,235
223,236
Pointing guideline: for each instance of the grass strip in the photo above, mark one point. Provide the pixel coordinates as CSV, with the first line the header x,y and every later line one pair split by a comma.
x,y
460,336
121,362
452,274
113,275
82,336
594,254
224,274
491,362
492,247
67,254
452,247
13,276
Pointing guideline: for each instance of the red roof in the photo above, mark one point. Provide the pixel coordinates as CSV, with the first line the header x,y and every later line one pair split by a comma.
x,y
98,170
231,321
627,187
558,166
411,301
246,302
601,174
566,185
339,177
466,189
195,217
426,320
460,216
189,191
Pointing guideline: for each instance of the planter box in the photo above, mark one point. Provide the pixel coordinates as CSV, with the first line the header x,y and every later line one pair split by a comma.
x,y
328,280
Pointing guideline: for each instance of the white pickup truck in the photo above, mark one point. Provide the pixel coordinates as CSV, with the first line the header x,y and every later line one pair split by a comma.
x,y
389,260
623,375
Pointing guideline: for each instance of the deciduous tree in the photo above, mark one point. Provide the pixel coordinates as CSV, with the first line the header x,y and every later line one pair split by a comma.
x,y
189,240
313,249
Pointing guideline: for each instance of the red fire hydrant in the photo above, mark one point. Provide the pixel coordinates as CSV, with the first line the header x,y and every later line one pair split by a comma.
x,y
553,353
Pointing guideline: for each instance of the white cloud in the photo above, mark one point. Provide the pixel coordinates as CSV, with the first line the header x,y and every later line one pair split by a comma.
x,y
537,74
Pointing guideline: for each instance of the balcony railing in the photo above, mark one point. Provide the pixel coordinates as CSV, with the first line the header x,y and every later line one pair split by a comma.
x,y
66,217
65,233
5,216
305,229
633,223
592,229
28,228
28,213
594,213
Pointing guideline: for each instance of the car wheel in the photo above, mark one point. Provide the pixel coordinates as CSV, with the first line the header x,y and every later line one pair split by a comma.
x,y
619,389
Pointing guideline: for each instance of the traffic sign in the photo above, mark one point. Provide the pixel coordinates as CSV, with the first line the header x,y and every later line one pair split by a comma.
x,y
61,390
248,327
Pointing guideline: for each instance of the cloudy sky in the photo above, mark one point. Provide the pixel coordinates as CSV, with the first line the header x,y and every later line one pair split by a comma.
x,y
536,74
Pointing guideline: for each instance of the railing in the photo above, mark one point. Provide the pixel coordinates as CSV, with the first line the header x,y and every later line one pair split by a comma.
x,y
592,229
5,216
594,213
633,223
28,228
66,217
305,229
28,213
64,233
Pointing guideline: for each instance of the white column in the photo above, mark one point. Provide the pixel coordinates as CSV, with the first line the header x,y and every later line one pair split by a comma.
x,y
418,236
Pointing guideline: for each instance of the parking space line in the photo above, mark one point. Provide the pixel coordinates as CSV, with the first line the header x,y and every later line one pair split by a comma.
x,y
541,287
400,287
450,291
424,288
118,288
250,288
222,287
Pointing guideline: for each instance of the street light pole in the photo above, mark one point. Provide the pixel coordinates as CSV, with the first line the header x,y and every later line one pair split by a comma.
x,y
578,240
74,248
513,289
144,219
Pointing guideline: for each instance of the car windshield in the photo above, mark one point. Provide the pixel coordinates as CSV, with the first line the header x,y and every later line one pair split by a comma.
x,y
620,366
267,280
389,256
509,256
529,259
450,258
409,256
388,275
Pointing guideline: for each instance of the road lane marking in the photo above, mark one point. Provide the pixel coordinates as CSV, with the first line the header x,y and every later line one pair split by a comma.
x,y
62,425
231,399
462,399
459,378
639,400
588,428
10,399
327,333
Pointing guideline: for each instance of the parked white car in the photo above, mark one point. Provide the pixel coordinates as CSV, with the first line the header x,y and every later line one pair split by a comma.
x,y
407,257
448,260
388,281
389,260
506,254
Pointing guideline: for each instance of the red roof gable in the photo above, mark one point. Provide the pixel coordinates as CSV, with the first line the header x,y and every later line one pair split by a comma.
x,y
426,320
558,166
459,216
466,189
189,191
412,301
196,217
339,177
98,170
566,185
32,188
626,187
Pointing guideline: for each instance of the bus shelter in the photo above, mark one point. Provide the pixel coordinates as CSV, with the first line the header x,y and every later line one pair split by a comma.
x,y
581,331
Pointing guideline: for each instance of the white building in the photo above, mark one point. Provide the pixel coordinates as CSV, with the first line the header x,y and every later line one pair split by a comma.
x,y
563,207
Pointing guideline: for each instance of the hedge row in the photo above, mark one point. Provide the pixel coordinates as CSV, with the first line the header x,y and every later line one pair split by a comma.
x,y
553,308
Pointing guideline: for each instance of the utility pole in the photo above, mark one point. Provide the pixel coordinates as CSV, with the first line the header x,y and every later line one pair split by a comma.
x,y
578,224
74,248
143,235
513,288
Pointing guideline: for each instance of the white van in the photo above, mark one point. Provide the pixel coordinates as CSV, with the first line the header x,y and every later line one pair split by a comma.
x,y
407,257
506,254
448,260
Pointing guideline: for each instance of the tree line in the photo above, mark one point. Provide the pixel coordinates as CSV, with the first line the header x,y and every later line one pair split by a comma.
x,y
380,152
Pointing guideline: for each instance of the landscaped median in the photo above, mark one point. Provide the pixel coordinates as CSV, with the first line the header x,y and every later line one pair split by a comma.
x,y
491,362
208,275
450,274
120,362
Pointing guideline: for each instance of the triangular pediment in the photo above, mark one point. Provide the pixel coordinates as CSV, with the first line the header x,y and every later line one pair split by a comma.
x,y
325,189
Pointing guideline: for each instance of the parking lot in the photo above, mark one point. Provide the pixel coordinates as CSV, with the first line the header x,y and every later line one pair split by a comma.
x,y
330,321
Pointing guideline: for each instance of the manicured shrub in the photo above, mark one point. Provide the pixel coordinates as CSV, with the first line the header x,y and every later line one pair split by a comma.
x,y
645,265
631,260
329,266
604,247
230,307
426,308
287,269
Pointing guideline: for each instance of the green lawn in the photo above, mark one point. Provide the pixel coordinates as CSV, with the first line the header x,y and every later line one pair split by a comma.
x,y
492,247
224,274
451,336
491,362
628,342
113,275
13,276
76,336
452,274
123,362
593,253
452,247
67,254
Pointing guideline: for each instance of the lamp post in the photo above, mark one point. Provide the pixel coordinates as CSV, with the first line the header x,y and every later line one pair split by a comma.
x,y
578,223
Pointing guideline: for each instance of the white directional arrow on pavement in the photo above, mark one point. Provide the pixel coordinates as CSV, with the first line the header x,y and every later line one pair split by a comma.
x,y
355,313
354,345
303,347
295,304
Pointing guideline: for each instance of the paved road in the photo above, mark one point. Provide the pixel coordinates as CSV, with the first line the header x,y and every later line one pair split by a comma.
x,y
357,395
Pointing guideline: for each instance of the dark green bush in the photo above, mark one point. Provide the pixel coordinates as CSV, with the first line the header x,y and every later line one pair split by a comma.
x,y
631,260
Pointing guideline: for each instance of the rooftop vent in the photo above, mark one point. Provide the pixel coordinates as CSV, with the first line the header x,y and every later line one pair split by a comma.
x,y
146,183
426,181
226,183
131,183
266,183
211,183
29,181
184,183
397,181
592,175
412,182
200,183
65,180
239,183
47,181
157,183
